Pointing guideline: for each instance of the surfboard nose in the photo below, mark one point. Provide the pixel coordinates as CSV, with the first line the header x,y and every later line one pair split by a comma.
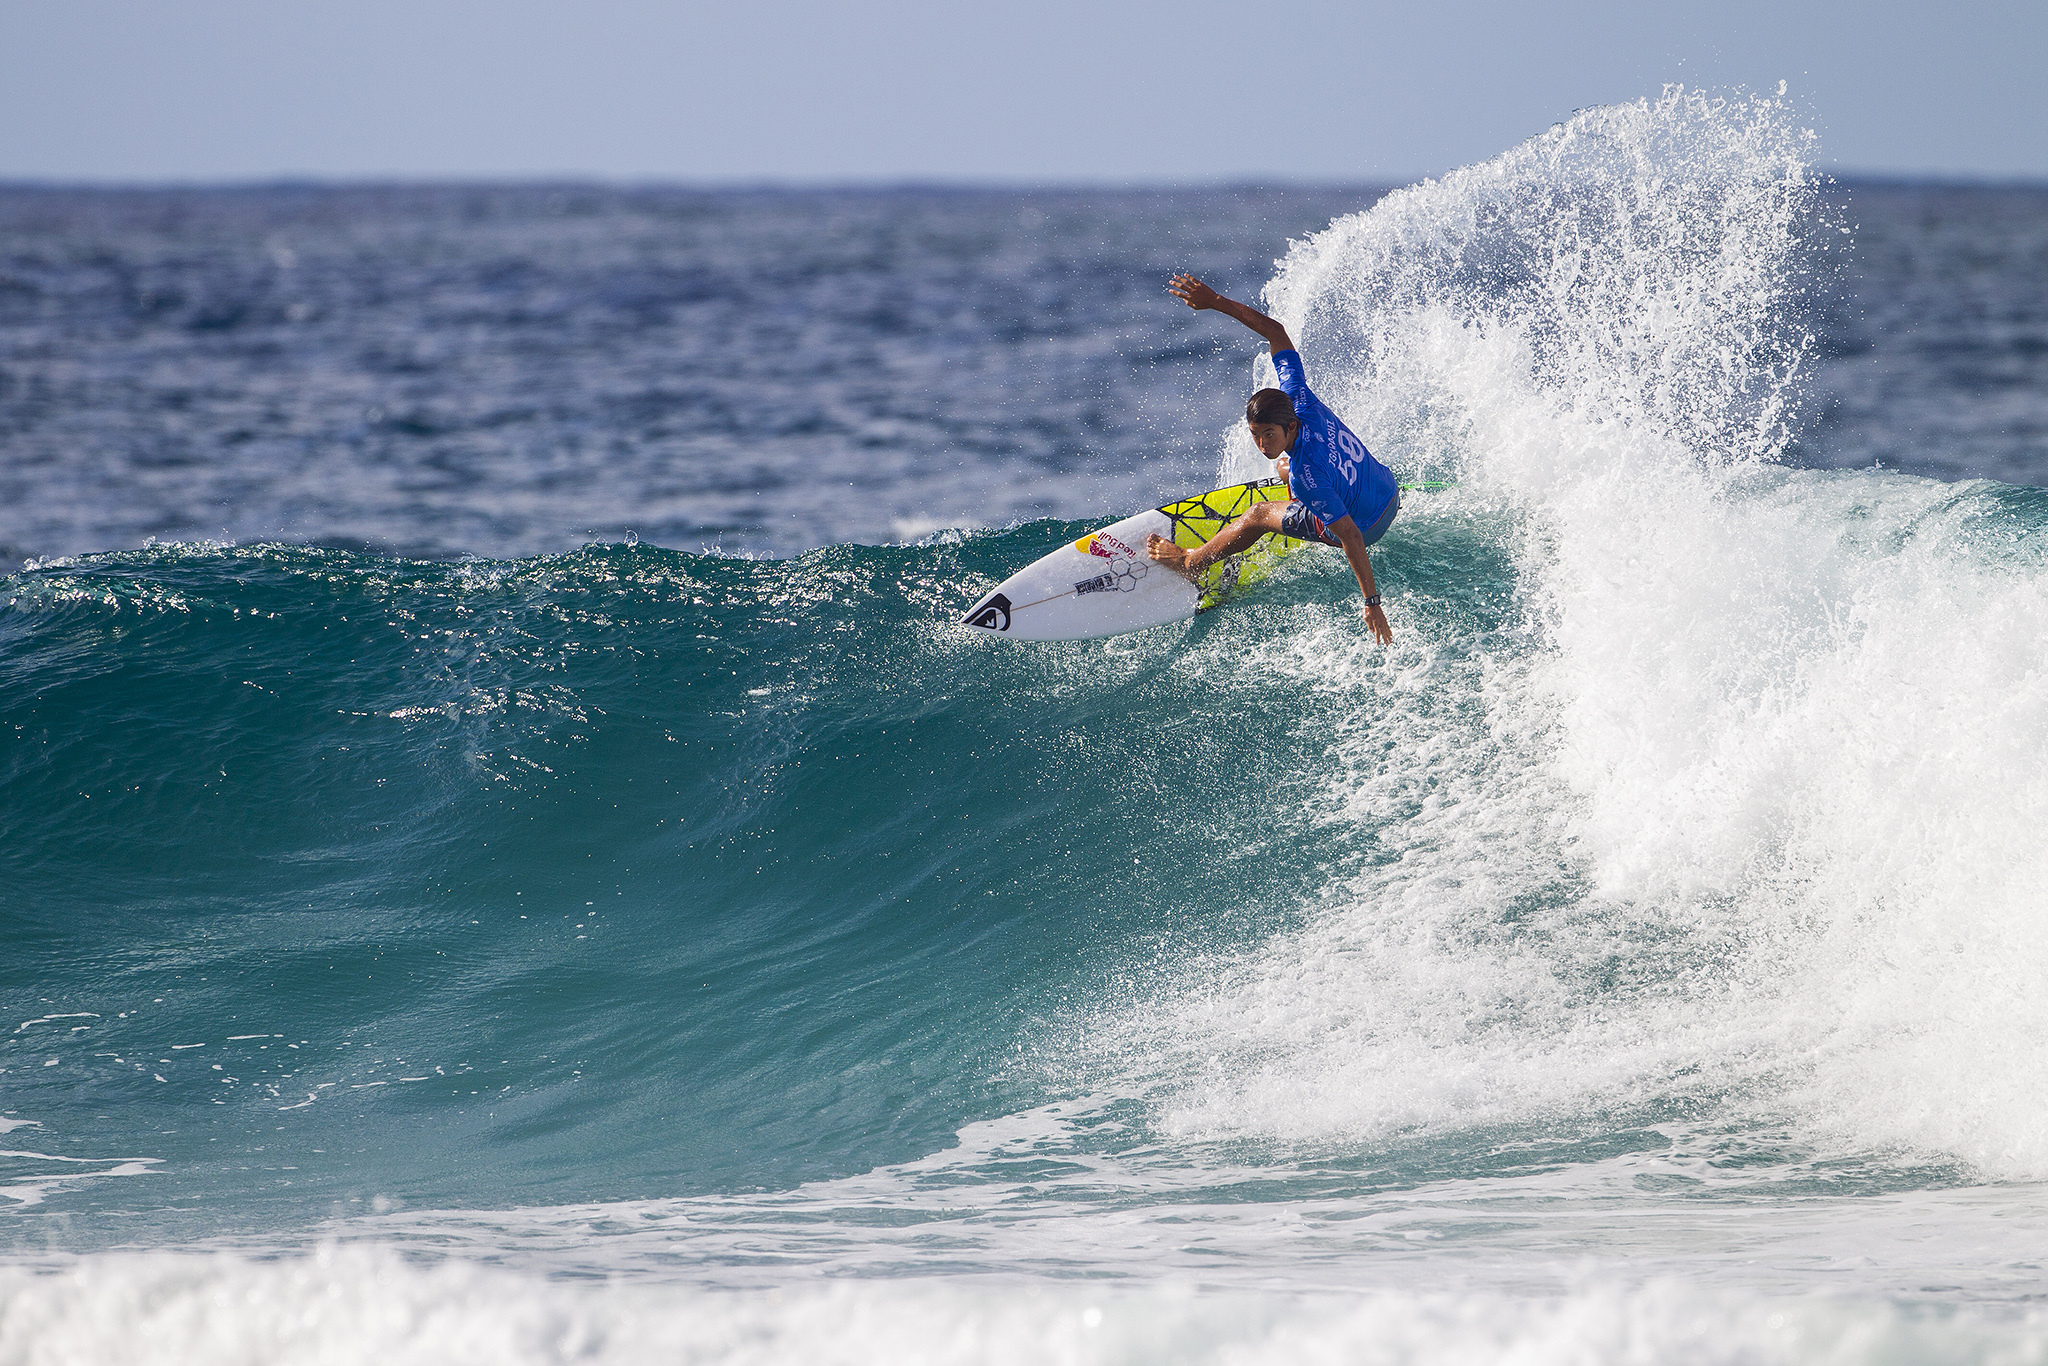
x,y
991,613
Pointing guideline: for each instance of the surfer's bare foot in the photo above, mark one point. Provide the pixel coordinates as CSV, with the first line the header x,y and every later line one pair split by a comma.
x,y
1168,554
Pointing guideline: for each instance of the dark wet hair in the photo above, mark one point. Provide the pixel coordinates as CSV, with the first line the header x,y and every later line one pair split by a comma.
x,y
1271,408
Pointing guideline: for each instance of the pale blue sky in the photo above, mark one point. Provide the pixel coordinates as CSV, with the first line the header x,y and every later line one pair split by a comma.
x,y
1059,91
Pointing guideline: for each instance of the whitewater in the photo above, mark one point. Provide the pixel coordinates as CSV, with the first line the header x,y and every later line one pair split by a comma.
x,y
703,950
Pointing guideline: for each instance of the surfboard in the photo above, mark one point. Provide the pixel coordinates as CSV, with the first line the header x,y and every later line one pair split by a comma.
x,y
1105,585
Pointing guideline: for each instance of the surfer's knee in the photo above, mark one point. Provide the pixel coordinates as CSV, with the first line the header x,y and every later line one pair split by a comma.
x,y
1258,519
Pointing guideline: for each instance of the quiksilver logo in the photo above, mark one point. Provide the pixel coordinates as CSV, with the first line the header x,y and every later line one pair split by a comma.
x,y
993,615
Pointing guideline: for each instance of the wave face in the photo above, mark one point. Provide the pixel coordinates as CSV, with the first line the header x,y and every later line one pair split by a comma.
x,y
1641,956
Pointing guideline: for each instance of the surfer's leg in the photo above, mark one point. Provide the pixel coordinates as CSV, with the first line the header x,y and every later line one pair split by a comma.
x,y
1297,521
1239,535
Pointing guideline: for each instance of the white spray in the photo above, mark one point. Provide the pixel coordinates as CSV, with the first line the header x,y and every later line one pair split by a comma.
x,y
1745,818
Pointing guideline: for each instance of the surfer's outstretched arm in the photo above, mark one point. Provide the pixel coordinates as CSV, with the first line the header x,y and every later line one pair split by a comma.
x,y
1195,294
1353,540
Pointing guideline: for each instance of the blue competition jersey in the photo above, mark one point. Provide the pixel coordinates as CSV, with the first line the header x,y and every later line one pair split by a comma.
x,y
1328,468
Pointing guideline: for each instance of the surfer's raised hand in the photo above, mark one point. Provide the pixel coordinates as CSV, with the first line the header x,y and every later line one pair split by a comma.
x,y
1192,292
1195,294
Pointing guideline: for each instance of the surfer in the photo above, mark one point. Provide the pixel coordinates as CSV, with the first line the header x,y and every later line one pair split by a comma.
x,y
1335,484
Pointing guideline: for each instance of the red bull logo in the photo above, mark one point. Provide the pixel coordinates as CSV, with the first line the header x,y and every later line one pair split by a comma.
x,y
1107,546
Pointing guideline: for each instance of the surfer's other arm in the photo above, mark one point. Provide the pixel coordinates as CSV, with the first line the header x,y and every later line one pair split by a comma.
x,y
1353,542
1195,294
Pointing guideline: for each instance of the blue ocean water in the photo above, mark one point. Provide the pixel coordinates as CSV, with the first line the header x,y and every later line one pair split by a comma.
x,y
506,856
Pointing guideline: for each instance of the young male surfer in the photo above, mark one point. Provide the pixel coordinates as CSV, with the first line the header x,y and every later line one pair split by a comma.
x,y
1336,485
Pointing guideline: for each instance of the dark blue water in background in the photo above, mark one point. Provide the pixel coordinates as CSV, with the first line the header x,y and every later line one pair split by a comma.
x,y
482,734
514,371
517,370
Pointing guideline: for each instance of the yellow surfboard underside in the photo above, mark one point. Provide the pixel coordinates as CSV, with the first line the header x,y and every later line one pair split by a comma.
x,y
1196,519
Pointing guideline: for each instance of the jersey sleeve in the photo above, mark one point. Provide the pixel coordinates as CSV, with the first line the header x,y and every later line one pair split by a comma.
x,y
1293,376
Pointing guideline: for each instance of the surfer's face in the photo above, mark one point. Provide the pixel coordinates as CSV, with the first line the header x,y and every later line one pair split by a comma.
x,y
1271,438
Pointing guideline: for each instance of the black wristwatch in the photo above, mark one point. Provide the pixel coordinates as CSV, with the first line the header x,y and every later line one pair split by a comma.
x,y
1373,600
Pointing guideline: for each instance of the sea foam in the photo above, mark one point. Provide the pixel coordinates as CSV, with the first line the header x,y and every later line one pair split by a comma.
x,y
342,1306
